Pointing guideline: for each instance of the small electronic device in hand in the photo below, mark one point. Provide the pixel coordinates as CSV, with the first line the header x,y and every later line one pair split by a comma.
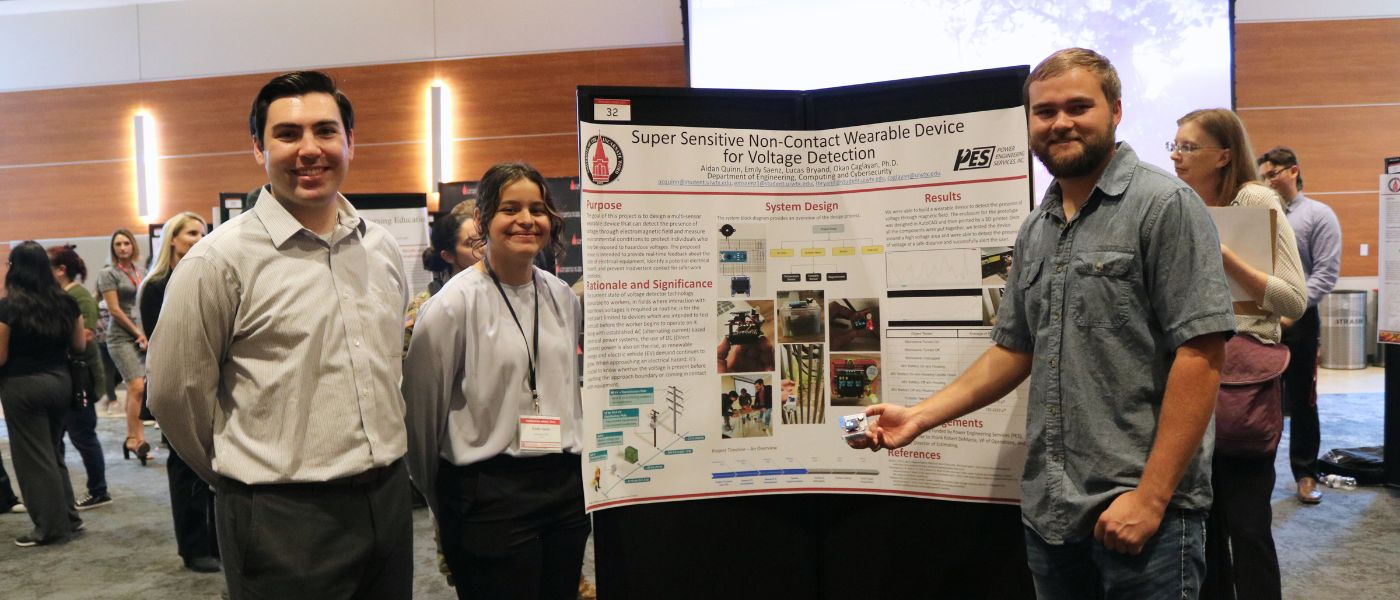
x,y
853,426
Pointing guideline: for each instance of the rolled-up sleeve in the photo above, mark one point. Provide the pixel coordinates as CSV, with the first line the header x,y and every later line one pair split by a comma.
x,y
186,355
433,369
1184,270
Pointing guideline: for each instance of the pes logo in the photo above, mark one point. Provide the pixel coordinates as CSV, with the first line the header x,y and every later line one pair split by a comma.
x,y
974,158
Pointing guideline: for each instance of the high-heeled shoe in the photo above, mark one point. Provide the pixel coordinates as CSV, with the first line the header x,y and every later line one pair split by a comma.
x,y
143,451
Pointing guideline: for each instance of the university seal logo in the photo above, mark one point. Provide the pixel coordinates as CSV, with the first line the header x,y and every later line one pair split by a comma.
x,y
604,158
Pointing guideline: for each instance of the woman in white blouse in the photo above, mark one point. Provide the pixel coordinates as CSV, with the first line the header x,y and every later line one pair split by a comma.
x,y
491,384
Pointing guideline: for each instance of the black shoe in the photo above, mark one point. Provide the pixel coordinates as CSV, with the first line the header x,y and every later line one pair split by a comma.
x,y
204,564
25,541
93,502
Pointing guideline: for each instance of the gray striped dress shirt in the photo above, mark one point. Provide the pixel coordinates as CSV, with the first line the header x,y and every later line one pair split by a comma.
x,y
278,354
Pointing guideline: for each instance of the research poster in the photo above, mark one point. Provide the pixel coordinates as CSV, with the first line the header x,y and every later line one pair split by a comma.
x,y
1388,326
746,288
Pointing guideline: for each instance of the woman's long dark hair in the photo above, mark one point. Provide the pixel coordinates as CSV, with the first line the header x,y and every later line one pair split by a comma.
x,y
39,306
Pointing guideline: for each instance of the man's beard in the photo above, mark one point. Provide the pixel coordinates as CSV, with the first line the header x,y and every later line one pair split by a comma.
x,y
1095,150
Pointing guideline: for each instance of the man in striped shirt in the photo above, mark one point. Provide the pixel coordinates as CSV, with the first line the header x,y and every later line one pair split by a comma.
x,y
276,366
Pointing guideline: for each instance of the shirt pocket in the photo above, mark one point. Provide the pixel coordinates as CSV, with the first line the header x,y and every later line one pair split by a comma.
x,y
1029,284
1101,293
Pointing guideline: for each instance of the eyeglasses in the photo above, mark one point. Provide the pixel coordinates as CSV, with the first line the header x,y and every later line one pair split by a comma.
x,y
1186,148
1267,175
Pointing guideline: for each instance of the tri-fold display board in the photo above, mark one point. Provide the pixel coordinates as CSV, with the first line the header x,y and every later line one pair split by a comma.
x,y
762,263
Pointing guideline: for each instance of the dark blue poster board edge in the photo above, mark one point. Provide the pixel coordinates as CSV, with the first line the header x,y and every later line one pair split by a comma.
x,y
835,546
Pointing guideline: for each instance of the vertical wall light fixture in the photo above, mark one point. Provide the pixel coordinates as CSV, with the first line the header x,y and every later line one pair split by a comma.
x,y
147,178
439,136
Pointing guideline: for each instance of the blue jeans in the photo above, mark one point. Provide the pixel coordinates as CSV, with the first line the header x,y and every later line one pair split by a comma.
x,y
1170,567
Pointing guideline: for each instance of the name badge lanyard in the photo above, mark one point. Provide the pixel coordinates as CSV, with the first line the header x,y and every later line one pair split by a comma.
x,y
532,357
131,275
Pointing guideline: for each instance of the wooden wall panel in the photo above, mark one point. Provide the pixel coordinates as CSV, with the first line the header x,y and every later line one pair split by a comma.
x,y
1325,88
69,125
188,181
67,201
205,147
554,156
1355,210
1339,149
1317,62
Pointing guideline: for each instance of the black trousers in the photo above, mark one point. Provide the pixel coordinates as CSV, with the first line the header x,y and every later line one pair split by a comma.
x,y
345,539
1300,394
1241,561
7,493
34,408
192,507
81,426
514,527
110,376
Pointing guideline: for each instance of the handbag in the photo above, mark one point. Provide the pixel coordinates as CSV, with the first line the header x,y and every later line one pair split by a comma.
x,y
1249,408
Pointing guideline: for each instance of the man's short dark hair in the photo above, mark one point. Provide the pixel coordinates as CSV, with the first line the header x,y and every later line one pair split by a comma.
x,y
1282,157
298,83
1068,59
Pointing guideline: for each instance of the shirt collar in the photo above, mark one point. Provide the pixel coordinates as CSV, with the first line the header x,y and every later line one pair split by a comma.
x,y
1112,183
281,225
1293,204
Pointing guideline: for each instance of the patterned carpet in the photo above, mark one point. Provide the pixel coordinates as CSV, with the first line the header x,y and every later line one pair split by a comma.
x,y
1345,547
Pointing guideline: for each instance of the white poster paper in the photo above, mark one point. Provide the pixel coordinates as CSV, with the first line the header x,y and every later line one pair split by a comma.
x,y
1388,307
746,288
409,226
1249,232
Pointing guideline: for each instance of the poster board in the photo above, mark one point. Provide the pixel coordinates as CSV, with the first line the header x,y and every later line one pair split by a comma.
x,y
899,227
1388,313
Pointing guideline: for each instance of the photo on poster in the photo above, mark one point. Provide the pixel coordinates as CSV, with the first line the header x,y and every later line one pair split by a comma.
x,y
802,388
800,317
745,336
996,265
746,402
991,303
743,260
855,379
854,324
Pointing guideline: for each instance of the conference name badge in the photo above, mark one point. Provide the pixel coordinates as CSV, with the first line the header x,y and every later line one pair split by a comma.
x,y
540,433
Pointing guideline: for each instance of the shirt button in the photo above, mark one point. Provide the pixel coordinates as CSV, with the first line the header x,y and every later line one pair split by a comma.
x,y
1054,361
1059,268
357,343
1055,316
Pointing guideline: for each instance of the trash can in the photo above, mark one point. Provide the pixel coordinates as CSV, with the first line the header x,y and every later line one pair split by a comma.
x,y
1343,316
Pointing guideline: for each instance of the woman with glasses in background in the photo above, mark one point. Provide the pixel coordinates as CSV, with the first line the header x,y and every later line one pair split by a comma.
x,y
1212,154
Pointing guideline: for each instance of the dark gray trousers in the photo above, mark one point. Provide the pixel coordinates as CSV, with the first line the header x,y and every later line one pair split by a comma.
x,y
347,539
34,408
